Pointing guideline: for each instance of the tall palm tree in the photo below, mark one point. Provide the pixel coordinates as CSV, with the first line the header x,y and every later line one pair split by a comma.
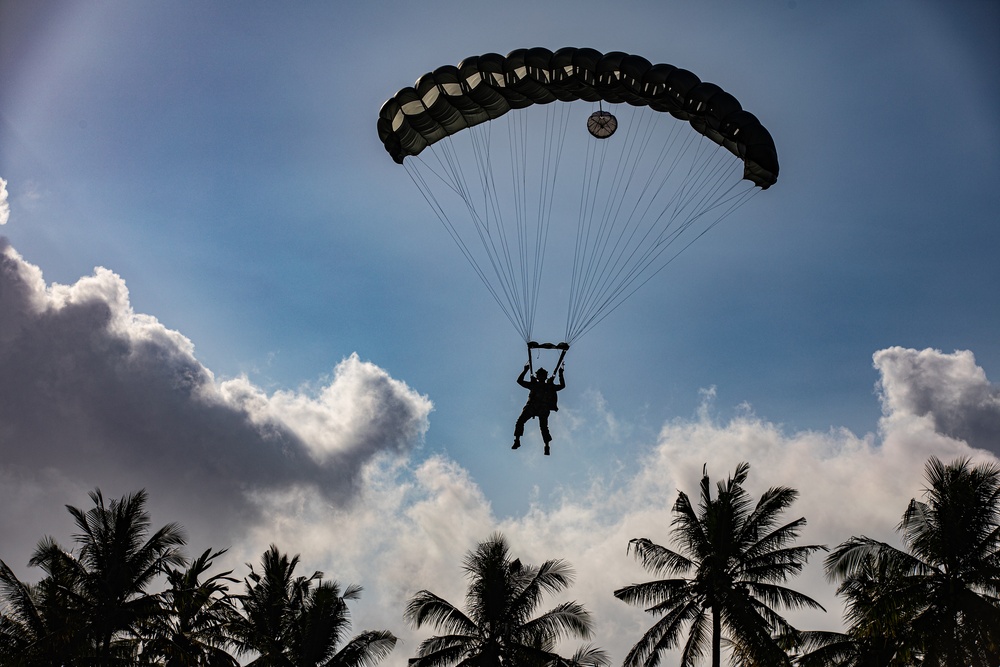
x,y
738,560
292,621
193,631
497,628
115,562
946,583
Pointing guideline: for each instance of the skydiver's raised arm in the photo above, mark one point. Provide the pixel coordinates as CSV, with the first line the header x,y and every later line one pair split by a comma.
x,y
562,381
520,378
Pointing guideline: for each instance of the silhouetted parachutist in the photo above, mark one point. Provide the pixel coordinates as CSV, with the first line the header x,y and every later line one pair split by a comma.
x,y
542,399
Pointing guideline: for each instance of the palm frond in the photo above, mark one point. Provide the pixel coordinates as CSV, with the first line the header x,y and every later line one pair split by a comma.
x,y
849,557
552,576
365,650
426,607
569,619
654,595
780,596
20,605
442,651
699,641
587,656
657,559
661,637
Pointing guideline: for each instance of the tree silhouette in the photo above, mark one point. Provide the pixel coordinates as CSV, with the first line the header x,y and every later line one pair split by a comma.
x,y
943,590
299,621
879,632
737,559
497,628
106,581
39,623
198,613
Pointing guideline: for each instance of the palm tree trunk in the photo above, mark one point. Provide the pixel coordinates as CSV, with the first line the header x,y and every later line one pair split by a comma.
x,y
716,637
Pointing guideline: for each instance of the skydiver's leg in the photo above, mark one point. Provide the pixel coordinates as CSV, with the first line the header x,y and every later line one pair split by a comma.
x,y
526,414
543,425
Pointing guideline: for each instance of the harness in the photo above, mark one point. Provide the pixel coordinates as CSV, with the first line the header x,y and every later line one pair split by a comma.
x,y
532,345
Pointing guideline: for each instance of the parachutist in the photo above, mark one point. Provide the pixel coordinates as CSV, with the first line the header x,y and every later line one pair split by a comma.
x,y
542,399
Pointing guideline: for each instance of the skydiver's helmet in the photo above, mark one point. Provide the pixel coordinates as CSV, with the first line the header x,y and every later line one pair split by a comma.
x,y
541,374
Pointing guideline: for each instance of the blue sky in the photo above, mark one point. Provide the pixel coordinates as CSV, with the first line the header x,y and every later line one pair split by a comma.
x,y
220,162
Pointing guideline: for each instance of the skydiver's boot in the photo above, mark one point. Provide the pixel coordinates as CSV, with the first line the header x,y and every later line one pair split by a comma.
x,y
546,449
517,442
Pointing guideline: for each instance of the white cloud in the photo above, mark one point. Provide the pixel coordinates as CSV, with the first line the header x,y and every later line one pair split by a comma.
x,y
93,394
414,523
353,412
948,389
4,204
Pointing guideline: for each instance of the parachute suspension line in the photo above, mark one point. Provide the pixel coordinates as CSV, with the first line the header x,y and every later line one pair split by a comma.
x,y
511,260
530,228
634,283
516,146
590,257
708,179
735,201
616,256
446,154
491,235
533,202
428,194
590,182
556,124
603,231
481,222
660,187
641,225
653,250
518,255
496,243
597,268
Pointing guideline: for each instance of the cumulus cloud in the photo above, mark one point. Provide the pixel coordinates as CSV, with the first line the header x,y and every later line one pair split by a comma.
x,y
417,519
4,204
91,391
950,390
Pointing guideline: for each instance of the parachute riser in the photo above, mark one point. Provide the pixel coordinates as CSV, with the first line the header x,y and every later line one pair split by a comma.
x,y
563,347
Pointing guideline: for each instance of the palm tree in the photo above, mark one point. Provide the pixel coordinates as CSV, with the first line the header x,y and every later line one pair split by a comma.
x,y
879,632
739,560
497,628
39,624
945,585
198,613
106,580
299,621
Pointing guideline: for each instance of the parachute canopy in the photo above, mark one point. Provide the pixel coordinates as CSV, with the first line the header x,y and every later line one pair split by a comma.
x,y
618,201
482,88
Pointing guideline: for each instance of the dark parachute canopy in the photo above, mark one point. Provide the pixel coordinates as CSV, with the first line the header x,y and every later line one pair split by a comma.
x,y
626,199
